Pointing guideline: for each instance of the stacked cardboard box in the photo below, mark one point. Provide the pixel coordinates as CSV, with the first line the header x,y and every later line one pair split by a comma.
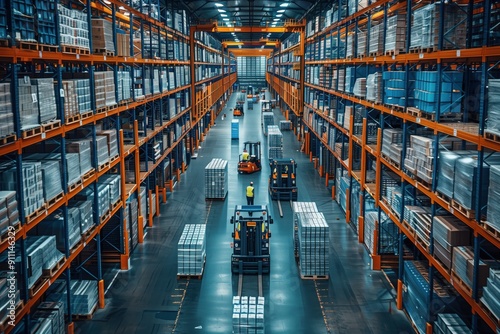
x,y
114,186
395,35
76,96
491,293
73,27
6,115
493,121
463,266
104,89
248,315
124,85
9,216
446,170
122,44
450,323
112,141
55,225
216,179
448,232
83,295
102,36
44,89
420,157
83,149
275,142
49,315
42,255
28,104
314,244
191,250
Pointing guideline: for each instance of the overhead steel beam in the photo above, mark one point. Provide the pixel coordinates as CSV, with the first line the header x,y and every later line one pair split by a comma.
x,y
290,26
250,52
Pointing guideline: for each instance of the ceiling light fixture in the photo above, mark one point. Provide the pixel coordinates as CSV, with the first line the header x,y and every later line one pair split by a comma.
x,y
121,8
279,15
221,10
225,19
281,10
223,15
284,4
275,20
218,4
107,2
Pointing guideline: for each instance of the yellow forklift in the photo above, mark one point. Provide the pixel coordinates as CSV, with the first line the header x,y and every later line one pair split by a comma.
x,y
252,162
251,234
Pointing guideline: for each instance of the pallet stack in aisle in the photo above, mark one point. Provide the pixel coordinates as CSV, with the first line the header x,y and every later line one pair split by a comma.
x,y
83,296
248,314
9,215
448,232
450,323
491,293
298,207
275,142
285,125
267,118
235,129
191,250
314,245
49,315
216,179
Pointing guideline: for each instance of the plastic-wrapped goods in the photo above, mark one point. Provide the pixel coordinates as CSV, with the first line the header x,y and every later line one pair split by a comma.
x,y
86,220
360,87
464,190
124,85
103,199
391,138
51,312
44,89
104,87
144,204
463,266
6,115
42,255
102,150
267,120
450,323
54,225
314,244
448,232
28,104
275,153
350,45
102,36
8,210
248,314
83,97
275,137
420,157
361,50
216,179
73,173
491,293
113,180
427,86
356,5
350,73
73,27
133,222
191,250
83,295
374,87
376,46
446,170
493,209
51,175
235,129
83,148
355,204
285,125
112,141
493,121
298,207
395,35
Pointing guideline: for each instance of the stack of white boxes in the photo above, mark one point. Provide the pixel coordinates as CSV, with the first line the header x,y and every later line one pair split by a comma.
x,y
314,244
216,179
9,216
114,186
267,118
376,47
102,151
275,142
124,85
420,157
83,295
112,142
73,27
28,104
298,207
374,87
83,149
191,250
6,115
104,86
392,144
491,293
76,97
248,315
44,89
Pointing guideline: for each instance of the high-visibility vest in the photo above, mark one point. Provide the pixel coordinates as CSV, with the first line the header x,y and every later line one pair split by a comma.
x,y
249,191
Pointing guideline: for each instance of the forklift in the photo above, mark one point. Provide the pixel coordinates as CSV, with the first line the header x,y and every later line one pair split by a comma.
x,y
251,165
251,254
282,180
238,110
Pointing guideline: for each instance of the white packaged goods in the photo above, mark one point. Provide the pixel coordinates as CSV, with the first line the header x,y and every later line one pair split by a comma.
x,y
314,244
191,250
83,295
298,207
216,179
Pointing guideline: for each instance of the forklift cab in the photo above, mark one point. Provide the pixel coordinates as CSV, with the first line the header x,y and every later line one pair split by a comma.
x,y
282,181
252,164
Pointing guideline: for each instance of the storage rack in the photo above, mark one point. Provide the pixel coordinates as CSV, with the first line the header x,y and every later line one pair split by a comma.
x,y
344,129
154,116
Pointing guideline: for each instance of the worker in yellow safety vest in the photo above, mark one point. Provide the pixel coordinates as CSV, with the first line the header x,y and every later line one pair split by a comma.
x,y
245,155
250,193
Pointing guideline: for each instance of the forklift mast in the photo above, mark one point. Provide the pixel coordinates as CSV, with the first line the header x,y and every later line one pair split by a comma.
x,y
282,181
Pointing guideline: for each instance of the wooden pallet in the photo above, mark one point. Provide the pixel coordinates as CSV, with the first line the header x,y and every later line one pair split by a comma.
x,y
51,125
86,234
88,175
86,115
103,166
442,264
114,205
471,214
409,228
422,242
52,271
74,50
37,213
85,316
421,50
116,157
77,184
196,276
423,183
374,54
10,233
32,132
104,217
390,161
36,287
489,313
455,280
105,109
124,102
413,111
48,48
444,198
491,135
4,43
104,52
8,139
27,45
54,200
314,277
490,229
72,119
394,52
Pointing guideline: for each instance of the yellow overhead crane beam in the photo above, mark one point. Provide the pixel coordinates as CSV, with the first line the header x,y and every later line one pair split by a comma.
x,y
289,26
249,52
261,42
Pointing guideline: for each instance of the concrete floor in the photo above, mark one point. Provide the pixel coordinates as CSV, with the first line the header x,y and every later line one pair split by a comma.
x,y
148,298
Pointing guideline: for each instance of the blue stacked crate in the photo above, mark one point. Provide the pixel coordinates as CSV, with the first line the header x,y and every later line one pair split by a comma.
x,y
395,88
46,21
426,88
24,20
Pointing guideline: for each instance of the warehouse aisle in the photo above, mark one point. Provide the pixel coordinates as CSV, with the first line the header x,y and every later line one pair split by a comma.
x,y
146,298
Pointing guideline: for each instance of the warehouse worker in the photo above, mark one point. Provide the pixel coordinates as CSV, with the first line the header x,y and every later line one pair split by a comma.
x,y
244,155
250,190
